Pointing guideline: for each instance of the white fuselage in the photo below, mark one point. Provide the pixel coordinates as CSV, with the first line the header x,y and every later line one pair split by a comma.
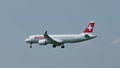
x,y
59,40
62,38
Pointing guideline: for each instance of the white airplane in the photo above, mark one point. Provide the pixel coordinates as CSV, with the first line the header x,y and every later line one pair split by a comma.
x,y
60,40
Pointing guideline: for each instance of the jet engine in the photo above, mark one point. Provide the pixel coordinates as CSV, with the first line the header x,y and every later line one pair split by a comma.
x,y
87,36
42,42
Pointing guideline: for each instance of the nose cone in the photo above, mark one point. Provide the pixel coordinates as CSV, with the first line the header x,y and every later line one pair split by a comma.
x,y
27,40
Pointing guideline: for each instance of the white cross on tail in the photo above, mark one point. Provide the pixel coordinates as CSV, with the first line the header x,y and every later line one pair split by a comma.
x,y
90,27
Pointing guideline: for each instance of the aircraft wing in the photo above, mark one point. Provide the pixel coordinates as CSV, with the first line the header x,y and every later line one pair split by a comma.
x,y
52,40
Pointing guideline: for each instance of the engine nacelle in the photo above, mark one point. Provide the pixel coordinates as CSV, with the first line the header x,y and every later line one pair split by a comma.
x,y
42,42
86,36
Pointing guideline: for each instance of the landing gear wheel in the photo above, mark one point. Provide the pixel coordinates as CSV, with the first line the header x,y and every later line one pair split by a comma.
x,y
54,46
30,46
62,46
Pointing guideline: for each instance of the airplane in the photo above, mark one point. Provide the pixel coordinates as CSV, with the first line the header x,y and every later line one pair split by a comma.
x,y
60,40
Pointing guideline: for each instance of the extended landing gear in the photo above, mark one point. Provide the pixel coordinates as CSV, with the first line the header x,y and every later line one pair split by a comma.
x,y
30,45
54,46
62,46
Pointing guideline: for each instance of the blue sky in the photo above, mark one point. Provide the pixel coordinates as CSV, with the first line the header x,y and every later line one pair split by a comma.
x,y
21,18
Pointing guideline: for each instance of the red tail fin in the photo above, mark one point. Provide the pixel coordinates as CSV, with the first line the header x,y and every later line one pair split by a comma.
x,y
89,28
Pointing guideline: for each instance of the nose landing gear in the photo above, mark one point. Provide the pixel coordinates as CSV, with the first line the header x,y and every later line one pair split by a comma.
x,y
30,45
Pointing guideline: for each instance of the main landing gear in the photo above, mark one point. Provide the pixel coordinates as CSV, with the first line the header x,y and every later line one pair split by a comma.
x,y
54,46
62,46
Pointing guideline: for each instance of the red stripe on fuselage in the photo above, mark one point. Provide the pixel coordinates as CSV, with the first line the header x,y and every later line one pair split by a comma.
x,y
39,37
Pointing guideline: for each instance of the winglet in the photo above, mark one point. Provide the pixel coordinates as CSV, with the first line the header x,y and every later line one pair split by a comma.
x,y
46,32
